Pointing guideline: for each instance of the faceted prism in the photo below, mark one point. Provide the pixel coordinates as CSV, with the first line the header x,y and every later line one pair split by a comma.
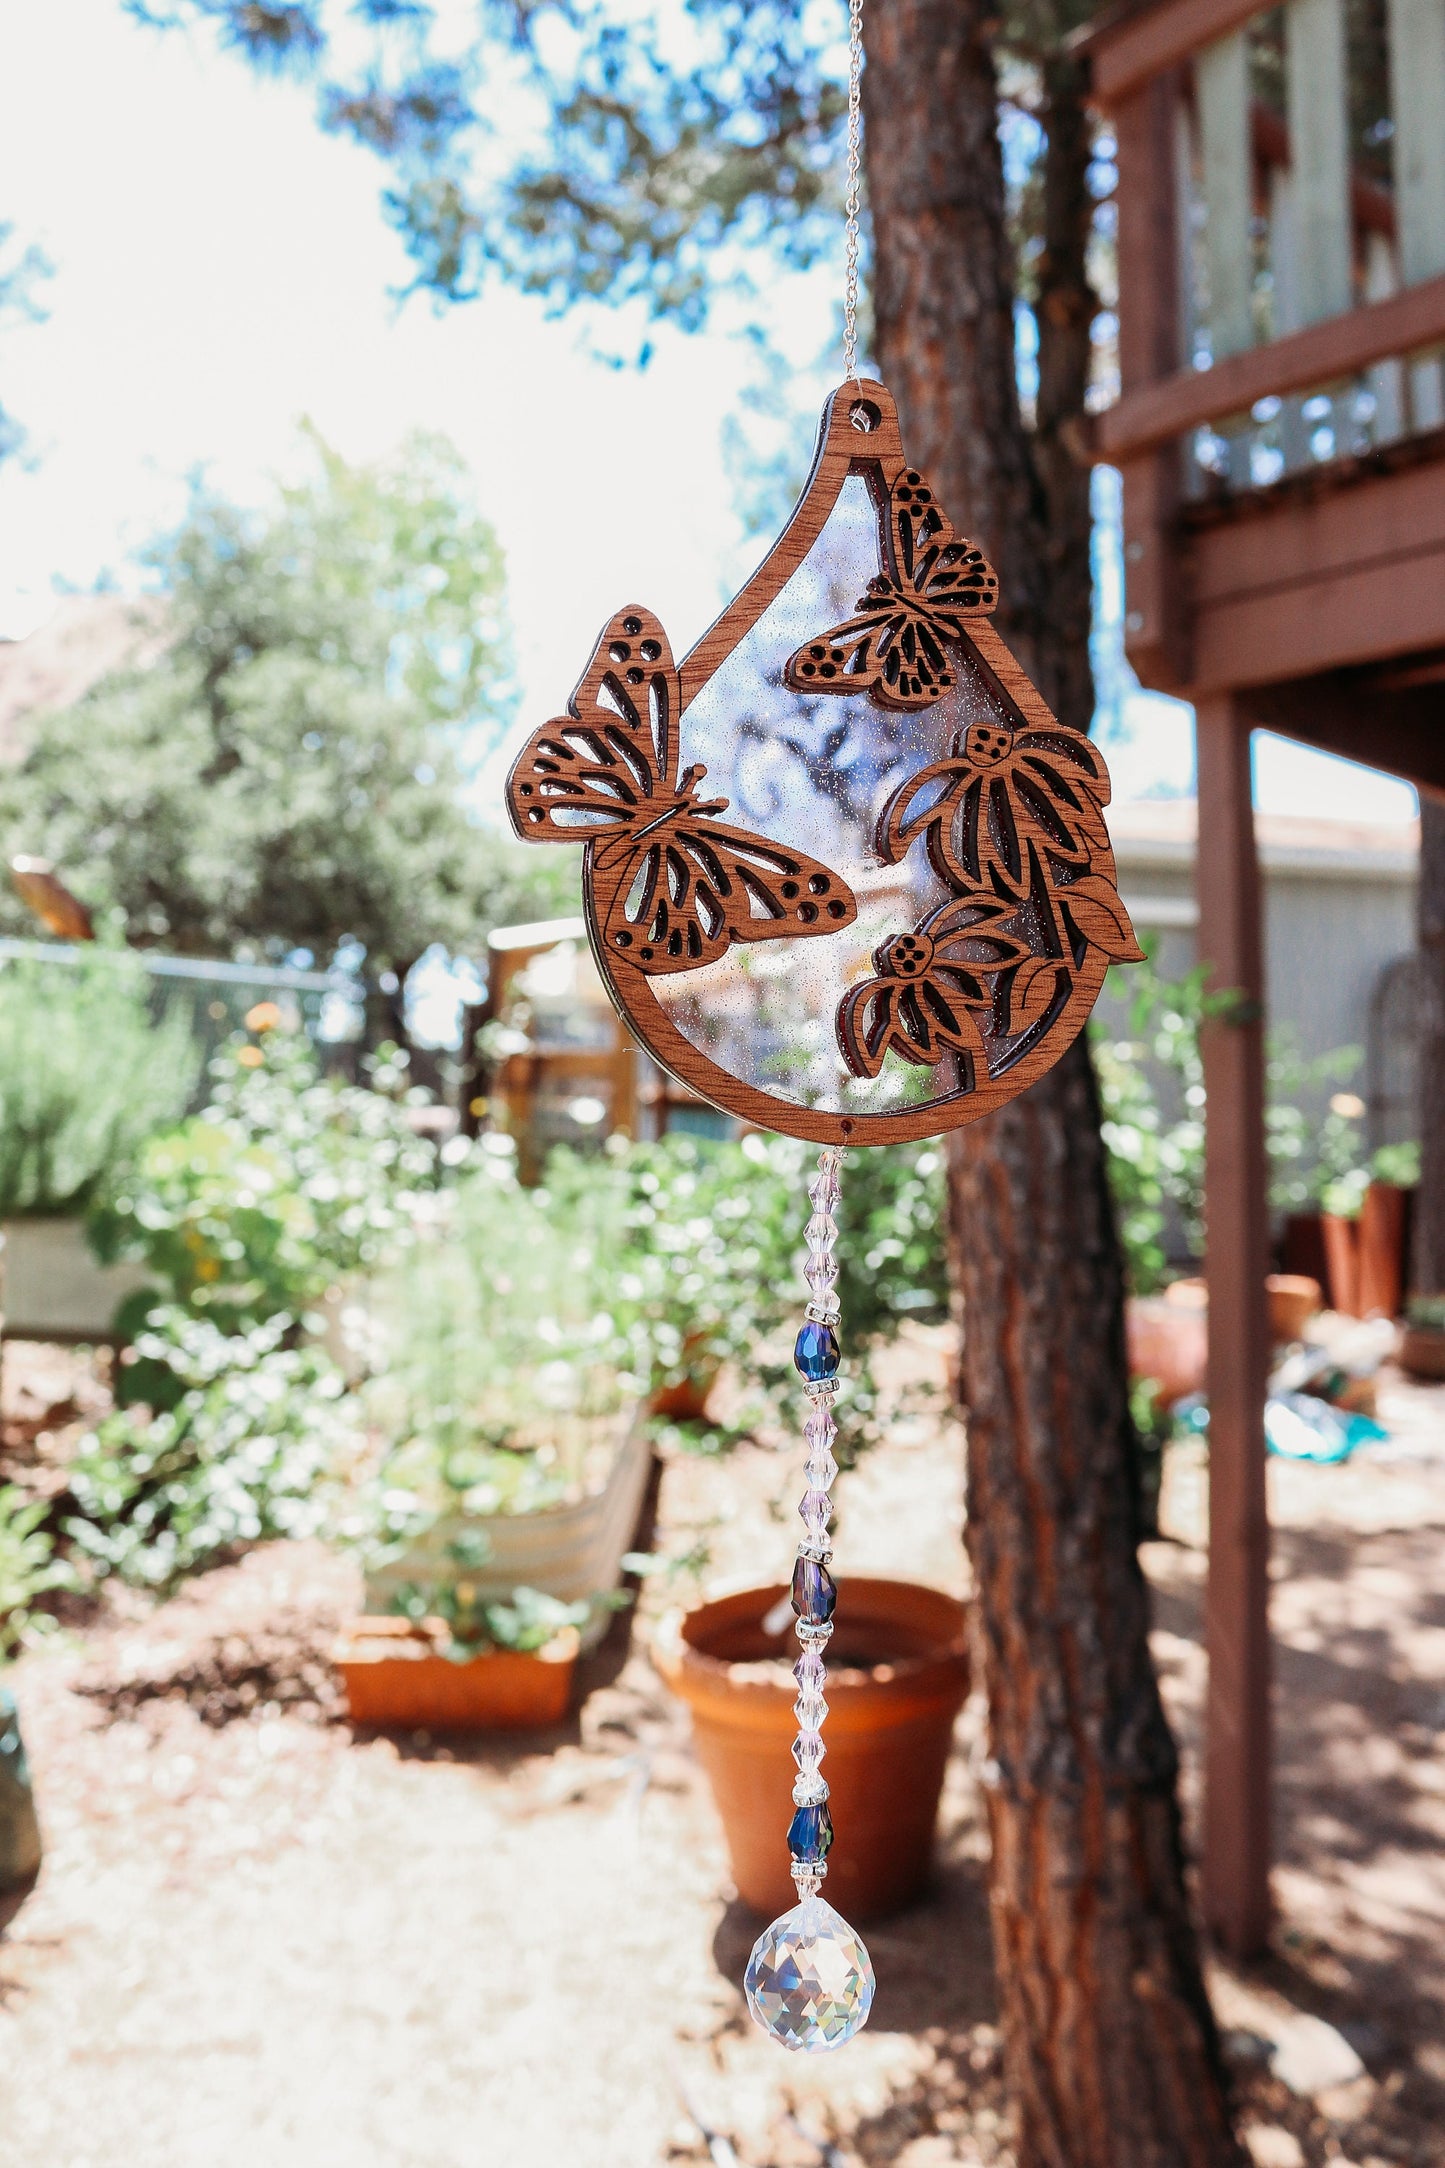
x,y
809,1980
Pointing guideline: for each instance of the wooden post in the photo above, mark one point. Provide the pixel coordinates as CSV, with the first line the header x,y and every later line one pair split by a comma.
x,y
1236,1855
1151,306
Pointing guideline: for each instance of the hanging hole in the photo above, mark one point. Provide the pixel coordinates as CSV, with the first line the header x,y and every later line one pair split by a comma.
x,y
864,416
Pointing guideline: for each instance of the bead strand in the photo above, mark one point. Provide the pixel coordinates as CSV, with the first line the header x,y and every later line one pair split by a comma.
x,y
809,1980
816,1354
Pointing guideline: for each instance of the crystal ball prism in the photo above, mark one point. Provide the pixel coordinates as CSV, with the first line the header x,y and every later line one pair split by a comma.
x,y
809,1980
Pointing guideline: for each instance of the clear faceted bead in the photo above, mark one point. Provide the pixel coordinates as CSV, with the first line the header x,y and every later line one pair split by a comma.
x,y
808,1750
815,1511
820,1273
809,1980
810,1790
810,1671
823,1189
819,1430
811,1711
821,1235
821,1470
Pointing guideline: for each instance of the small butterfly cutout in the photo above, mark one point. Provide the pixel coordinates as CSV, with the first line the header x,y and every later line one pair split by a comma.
x,y
669,885
896,646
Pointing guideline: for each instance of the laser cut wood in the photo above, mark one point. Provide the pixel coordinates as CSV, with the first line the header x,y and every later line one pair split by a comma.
x,y
996,980
669,887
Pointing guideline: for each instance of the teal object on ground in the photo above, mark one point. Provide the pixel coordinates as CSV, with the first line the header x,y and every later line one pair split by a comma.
x,y
19,1829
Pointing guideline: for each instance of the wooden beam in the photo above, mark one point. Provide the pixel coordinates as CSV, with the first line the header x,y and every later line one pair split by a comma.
x,y
1392,720
1152,415
1237,1790
1320,580
1126,54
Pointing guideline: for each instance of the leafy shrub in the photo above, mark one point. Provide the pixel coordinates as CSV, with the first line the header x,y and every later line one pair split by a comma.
x,y
239,1451
29,1567
85,1075
706,1264
1155,1141
285,1182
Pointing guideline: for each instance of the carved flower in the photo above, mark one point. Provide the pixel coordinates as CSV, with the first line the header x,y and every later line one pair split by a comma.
x,y
928,982
1003,794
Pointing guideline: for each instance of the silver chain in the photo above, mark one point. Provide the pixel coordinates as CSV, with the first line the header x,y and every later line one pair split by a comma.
x,y
855,137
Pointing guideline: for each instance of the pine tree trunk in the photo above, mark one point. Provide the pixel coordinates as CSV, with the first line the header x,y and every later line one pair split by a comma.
x,y
1429,1260
1111,2047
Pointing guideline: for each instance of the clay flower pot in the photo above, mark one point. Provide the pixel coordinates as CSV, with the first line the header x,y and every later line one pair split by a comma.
x,y
395,1673
897,1677
1168,1340
1294,1298
1422,1351
1381,1250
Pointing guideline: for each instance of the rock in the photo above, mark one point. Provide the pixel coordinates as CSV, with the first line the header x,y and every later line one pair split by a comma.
x,y
1311,2057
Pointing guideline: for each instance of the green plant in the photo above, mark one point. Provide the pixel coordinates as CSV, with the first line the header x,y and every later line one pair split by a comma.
x,y
1427,1312
287,1181
85,1075
476,1623
1155,1148
706,1269
1151,1089
29,1567
249,1431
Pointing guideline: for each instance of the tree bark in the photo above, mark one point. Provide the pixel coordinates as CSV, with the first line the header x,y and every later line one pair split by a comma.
x,y
1111,2046
1429,1260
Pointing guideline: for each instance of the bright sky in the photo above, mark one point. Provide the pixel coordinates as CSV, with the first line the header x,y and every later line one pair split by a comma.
x,y
222,268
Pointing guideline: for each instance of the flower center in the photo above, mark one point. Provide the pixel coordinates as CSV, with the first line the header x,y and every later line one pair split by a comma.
x,y
986,744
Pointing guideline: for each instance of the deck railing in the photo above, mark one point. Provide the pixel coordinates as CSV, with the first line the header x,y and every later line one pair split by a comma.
x,y
1281,236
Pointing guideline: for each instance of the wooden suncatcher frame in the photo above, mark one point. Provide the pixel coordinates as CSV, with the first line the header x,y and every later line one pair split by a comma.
x,y
858,435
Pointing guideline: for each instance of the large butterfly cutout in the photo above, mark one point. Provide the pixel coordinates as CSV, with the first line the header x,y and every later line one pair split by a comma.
x,y
895,647
670,887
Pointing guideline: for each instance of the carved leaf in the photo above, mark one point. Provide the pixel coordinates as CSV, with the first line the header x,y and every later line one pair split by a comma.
x,y
1098,911
1031,991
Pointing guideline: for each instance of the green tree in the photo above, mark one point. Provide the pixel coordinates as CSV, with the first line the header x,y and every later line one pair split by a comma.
x,y
669,155
290,773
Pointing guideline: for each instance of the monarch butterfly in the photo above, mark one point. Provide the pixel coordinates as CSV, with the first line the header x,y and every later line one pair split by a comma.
x,y
669,886
894,648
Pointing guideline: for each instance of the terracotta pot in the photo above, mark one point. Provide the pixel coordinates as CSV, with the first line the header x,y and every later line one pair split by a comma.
x,y
1168,1341
1381,1250
395,1674
1422,1351
1302,1247
1342,1262
897,1677
686,1401
1293,1300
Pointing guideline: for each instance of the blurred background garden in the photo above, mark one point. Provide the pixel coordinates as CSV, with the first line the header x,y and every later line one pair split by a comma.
x,y
366,1290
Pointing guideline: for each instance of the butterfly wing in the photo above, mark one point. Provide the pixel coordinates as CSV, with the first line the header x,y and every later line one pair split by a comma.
x,y
601,768
683,894
948,574
895,646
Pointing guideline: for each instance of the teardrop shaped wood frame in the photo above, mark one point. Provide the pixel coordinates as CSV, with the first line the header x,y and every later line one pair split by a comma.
x,y
875,452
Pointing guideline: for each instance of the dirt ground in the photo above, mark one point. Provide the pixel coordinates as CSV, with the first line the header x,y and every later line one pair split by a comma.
x,y
262,1938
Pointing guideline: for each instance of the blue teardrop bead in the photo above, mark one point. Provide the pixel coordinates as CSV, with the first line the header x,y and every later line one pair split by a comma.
x,y
815,1592
816,1351
810,1833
